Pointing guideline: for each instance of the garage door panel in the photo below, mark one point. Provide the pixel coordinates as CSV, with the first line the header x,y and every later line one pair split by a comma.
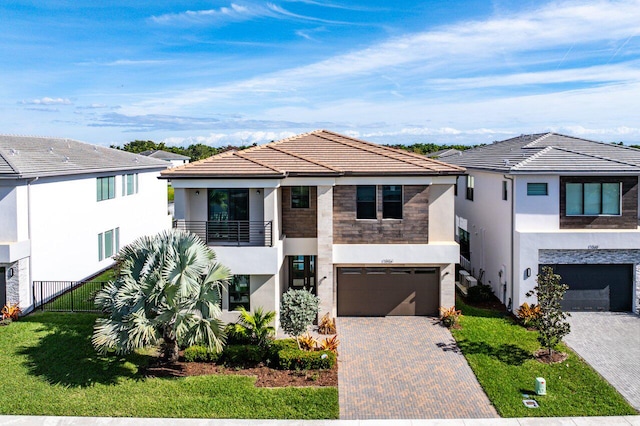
x,y
380,294
596,287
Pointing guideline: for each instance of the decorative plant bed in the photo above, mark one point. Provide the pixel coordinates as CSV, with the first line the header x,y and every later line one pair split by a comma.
x,y
266,376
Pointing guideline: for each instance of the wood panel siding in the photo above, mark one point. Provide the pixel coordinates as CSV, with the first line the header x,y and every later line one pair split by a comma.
x,y
627,220
411,229
300,223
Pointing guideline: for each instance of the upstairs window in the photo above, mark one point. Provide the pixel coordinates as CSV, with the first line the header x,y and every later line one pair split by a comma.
x,y
366,207
470,186
392,202
130,184
537,188
108,243
593,199
106,188
504,190
465,245
299,197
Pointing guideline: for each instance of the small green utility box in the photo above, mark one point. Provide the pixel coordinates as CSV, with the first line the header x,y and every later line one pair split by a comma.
x,y
541,386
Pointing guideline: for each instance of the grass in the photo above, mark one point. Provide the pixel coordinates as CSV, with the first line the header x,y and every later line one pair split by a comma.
x,y
500,352
50,368
81,297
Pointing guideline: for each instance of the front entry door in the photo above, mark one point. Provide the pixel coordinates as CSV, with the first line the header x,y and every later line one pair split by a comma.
x,y
302,273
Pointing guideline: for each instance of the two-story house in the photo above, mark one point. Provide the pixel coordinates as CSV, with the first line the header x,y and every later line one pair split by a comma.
x,y
367,228
66,207
550,199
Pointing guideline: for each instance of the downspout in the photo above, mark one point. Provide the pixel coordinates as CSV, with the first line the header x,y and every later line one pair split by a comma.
x,y
29,182
513,215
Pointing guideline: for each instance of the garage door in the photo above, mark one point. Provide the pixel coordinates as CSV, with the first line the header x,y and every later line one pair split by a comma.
x,y
597,287
388,291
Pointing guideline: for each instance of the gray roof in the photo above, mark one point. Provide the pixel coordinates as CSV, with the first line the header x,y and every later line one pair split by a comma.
x,y
164,155
443,153
28,156
550,153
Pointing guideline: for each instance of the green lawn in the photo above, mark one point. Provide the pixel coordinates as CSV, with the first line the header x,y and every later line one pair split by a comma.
x,y
50,368
81,297
500,353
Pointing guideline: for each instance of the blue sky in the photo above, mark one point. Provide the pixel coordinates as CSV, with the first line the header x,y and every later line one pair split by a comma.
x,y
230,72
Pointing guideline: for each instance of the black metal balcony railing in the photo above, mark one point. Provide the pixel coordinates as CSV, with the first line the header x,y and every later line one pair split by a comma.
x,y
230,232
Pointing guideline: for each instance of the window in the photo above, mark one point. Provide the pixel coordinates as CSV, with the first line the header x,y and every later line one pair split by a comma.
x,y
239,292
366,207
130,184
299,197
593,199
537,188
470,186
504,190
455,188
106,187
392,202
465,246
108,243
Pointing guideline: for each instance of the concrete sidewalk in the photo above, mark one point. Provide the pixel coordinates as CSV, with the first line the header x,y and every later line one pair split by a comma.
x,y
103,421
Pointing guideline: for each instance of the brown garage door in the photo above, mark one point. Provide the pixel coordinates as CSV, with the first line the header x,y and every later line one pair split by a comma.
x,y
379,291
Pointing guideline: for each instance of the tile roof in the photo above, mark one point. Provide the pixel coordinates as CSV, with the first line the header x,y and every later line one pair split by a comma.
x,y
318,153
164,155
28,156
550,153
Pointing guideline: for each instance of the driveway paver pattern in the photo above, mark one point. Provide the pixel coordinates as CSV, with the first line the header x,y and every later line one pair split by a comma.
x,y
610,343
405,368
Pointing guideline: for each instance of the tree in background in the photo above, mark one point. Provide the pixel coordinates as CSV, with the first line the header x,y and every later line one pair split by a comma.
x,y
195,152
167,292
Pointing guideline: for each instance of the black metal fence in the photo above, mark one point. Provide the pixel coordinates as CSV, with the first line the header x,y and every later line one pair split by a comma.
x,y
66,296
230,232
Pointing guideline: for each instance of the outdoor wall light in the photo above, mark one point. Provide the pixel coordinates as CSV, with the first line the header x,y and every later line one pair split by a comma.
x,y
197,192
258,192
527,272
11,272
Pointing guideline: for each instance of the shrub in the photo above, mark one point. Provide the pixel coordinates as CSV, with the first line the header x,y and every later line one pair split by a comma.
x,y
11,312
449,316
297,311
529,316
480,293
256,326
276,346
236,336
327,324
243,355
307,342
296,359
200,354
329,344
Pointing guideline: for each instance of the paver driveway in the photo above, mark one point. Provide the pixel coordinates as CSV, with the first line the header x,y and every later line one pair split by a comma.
x,y
405,368
610,343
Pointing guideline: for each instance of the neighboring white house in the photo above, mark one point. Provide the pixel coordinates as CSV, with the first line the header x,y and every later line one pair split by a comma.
x,y
67,206
172,158
367,228
550,199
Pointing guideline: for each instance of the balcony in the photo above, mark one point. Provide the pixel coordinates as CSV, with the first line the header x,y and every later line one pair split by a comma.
x,y
230,232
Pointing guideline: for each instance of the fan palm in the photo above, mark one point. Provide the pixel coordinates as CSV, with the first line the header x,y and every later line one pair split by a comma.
x,y
167,292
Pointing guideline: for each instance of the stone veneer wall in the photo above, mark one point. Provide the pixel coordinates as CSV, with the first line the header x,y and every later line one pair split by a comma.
x,y
572,257
300,223
413,228
20,277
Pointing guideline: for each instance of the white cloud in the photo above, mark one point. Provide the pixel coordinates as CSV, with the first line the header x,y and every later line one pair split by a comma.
x,y
234,13
47,101
233,138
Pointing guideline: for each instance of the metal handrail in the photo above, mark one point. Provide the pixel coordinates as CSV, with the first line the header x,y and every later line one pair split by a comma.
x,y
230,232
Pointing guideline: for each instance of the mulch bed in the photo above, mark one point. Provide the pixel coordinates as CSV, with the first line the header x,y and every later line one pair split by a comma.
x,y
542,355
266,377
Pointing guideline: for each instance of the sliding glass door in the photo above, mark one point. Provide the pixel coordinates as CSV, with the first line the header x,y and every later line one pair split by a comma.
x,y
228,215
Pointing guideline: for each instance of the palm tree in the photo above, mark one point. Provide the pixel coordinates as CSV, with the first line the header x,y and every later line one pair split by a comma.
x,y
257,326
167,291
